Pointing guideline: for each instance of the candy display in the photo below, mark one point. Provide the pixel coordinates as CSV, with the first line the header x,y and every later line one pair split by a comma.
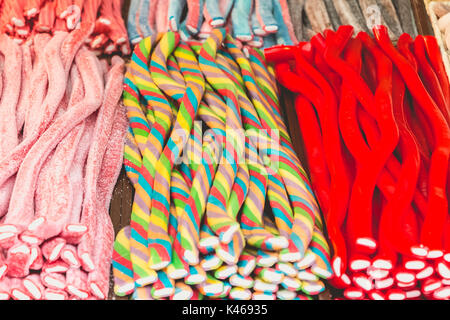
x,y
21,19
257,23
227,209
379,115
62,151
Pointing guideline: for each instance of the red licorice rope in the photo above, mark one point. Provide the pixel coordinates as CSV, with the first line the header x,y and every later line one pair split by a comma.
x,y
437,211
394,212
380,106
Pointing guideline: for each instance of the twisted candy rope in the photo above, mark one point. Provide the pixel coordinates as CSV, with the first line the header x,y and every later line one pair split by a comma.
x,y
158,241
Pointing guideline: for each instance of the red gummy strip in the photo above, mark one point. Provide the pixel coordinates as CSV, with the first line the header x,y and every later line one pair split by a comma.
x,y
434,224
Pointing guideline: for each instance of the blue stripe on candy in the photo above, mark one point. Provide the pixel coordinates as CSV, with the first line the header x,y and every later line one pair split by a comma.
x,y
137,237
155,64
139,62
279,214
212,199
179,191
190,214
160,198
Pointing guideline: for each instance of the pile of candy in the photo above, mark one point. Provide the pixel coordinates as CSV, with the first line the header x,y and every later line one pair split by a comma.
x,y
223,207
61,151
375,124
255,23
310,17
23,18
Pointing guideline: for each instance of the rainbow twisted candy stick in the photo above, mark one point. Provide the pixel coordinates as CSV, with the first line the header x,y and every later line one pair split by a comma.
x,y
270,226
159,66
208,240
216,210
141,127
253,207
246,263
287,268
135,142
226,290
189,229
158,239
121,263
142,77
186,173
162,113
230,252
209,117
164,287
286,295
211,262
265,80
132,159
180,193
250,118
225,271
266,258
319,247
212,108
162,74
139,124
174,70
178,268
196,275
240,281
291,284
193,153
240,187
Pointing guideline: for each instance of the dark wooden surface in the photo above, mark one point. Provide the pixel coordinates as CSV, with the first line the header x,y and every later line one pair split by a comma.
x,y
120,208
